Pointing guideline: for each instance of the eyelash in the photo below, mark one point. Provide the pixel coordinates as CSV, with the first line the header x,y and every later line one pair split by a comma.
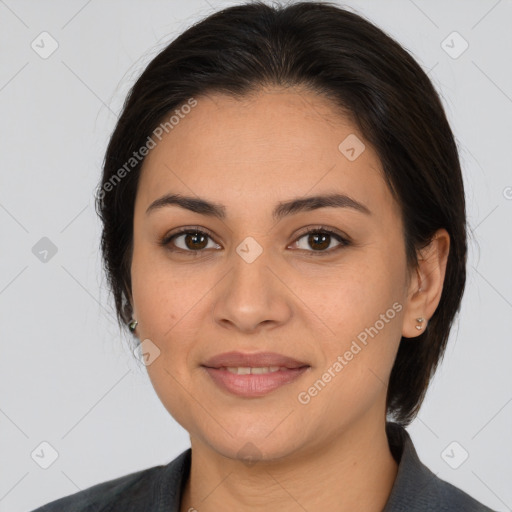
x,y
344,242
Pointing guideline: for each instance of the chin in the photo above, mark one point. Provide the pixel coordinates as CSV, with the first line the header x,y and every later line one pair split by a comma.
x,y
252,445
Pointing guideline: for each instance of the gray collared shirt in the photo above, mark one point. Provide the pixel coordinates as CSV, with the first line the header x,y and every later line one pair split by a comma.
x,y
158,489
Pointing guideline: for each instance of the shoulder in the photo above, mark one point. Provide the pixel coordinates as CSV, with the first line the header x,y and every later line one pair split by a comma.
x,y
141,490
453,499
102,496
416,488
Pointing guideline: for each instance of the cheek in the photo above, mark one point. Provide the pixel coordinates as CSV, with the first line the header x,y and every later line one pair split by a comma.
x,y
171,384
165,306
160,298
353,377
353,296
363,311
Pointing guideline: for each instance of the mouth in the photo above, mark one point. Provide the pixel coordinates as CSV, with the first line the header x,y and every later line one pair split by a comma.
x,y
256,370
254,360
253,375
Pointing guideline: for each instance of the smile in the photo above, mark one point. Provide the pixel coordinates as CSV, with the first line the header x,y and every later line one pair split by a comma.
x,y
252,382
244,370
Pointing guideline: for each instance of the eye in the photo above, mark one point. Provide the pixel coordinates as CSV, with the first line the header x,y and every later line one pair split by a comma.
x,y
195,240
319,240
189,240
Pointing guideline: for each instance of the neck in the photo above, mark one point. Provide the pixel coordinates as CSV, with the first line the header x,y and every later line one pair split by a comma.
x,y
352,471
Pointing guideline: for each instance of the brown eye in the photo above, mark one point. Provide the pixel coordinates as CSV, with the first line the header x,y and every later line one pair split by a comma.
x,y
189,241
195,241
320,240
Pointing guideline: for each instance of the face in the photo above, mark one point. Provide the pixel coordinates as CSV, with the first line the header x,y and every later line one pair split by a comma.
x,y
248,281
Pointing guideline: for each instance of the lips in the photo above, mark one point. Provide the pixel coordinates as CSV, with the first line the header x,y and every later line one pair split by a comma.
x,y
257,360
268,371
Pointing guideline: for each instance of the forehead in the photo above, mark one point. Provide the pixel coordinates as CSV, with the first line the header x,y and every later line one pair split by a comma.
x,y
273,144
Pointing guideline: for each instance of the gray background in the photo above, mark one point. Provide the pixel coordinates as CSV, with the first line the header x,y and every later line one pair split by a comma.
x,y
67,375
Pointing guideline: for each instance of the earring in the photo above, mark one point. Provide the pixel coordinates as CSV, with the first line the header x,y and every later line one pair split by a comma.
x,y
132,325
420,320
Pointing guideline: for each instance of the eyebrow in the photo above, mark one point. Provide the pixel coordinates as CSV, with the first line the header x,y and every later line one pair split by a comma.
x,y
281,210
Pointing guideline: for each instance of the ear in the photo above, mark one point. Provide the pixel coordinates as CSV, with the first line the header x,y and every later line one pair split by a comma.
x,y
426,287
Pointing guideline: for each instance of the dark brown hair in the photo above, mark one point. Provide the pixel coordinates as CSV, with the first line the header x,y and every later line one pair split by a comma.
x,y
344,57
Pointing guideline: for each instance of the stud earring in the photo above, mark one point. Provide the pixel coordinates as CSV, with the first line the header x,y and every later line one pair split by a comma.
x,y
420,320
132,325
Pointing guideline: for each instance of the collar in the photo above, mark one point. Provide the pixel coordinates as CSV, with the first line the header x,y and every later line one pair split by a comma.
x,y
415,487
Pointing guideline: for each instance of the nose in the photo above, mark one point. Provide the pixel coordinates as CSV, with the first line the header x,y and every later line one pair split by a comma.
x,y
252,296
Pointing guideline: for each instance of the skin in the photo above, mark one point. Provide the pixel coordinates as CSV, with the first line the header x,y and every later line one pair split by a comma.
x,y
248,155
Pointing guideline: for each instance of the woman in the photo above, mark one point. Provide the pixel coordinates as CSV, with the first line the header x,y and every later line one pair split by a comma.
x,y
284,233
